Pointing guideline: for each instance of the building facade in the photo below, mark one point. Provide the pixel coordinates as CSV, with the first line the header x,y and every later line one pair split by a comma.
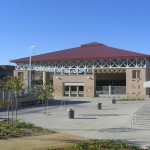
x,y
6,70
90,70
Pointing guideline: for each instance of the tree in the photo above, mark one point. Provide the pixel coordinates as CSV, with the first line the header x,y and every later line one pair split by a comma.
x,y
5,87
45,93
13,85
17,87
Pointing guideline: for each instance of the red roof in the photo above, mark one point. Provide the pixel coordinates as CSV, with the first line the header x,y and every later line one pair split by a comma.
x,y
91,51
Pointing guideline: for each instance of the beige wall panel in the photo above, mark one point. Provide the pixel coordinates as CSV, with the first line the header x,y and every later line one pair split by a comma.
x,y
88,80
25,77
134,87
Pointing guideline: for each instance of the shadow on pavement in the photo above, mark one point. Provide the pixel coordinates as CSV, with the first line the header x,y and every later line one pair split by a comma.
x,y
52,103
102,115
85,118
117,130
66,102
56,103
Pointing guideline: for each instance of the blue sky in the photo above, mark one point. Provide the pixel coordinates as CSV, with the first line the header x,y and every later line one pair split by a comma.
x,y
59,24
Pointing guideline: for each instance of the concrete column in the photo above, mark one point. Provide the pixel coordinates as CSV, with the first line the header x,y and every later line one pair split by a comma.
x,y
77,91
109,89
93,71
85,71
69,71
63,90
69,91
54,71
77,71
44,78
62,71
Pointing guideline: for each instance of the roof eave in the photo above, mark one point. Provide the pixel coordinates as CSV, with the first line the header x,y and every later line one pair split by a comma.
x,y
68,59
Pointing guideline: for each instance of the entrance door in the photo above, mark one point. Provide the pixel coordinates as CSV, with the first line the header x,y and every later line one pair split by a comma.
x,y
73,92
66,90
74,89
81,91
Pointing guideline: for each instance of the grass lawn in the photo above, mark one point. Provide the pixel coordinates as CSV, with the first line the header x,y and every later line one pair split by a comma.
x,y
19,129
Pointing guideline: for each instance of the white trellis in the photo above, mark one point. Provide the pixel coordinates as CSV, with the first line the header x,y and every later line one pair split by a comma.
x,y
84,66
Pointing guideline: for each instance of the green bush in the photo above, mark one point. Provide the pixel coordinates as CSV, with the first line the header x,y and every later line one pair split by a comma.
x,y
101,145
24,125
4,103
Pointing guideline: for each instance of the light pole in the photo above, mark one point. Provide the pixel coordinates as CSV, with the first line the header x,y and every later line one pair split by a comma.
x,y
31,47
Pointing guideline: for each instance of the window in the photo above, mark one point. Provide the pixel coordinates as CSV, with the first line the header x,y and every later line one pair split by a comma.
x,y
135,74
66,88
81,88
138,73
20,74
111,82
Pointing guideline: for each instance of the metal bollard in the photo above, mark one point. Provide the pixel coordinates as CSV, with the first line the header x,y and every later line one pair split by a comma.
x,y
99,105
113,101
70,113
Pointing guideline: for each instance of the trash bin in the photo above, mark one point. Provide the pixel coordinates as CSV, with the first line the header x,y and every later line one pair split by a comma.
x,y
99,105
71,113
113,101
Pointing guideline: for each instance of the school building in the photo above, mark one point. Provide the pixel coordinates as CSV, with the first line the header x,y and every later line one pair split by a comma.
x,y
90,70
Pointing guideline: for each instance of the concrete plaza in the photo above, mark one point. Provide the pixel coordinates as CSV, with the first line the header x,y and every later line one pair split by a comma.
x,y
113,121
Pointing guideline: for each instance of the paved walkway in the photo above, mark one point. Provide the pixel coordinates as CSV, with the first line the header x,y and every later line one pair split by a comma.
x,y
114,121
